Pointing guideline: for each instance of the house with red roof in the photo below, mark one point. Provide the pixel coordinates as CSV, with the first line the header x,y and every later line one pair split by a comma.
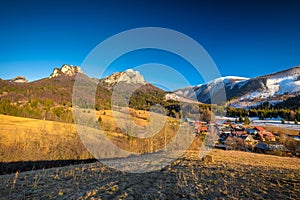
x,y
200,129
239,133
259,129
266,136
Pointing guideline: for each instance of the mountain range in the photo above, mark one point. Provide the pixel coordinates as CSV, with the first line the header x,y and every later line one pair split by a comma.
x,y
51,97
244,92
241,92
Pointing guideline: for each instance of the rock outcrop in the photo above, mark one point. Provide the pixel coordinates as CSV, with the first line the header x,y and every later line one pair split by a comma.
x,y
19,79
66,70
129,76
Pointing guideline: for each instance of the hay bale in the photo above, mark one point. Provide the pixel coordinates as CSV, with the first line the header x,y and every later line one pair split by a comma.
x,y
207,159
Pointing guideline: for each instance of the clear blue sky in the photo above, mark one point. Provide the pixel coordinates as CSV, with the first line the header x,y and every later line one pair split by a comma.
x,y
244,38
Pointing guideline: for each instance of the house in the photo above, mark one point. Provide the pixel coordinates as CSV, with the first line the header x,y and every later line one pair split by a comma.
x,y
251,131
248,139
259,129
269,136
261,147
201,129
200,123
224,132
277,147
225,129
238,133
227,124
266,136
237,127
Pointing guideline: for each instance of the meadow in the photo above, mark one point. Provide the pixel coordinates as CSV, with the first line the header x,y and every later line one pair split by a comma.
x,y
24,139
231,175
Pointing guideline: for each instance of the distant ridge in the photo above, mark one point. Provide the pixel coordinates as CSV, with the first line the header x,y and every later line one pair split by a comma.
x,y
244,93
241,92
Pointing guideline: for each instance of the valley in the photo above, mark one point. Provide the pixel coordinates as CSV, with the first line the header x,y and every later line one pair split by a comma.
x,y
45,154
149,100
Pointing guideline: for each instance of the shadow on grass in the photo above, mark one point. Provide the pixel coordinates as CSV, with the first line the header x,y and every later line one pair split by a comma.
x,y
13,167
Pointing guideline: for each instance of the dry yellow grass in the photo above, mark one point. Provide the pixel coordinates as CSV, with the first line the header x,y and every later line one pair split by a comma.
x,y
23,139
282,130
139,117
13,128
232,175
255,159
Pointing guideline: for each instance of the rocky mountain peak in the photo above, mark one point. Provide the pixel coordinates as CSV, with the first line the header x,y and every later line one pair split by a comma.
x,y
67,70
19,79
129,76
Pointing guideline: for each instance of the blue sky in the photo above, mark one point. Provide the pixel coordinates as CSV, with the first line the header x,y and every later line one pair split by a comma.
x,y
244,38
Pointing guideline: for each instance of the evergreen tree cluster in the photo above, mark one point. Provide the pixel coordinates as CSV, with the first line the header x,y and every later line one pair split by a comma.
x,y
266,110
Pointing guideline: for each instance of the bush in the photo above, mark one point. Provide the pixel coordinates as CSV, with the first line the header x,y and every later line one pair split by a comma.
x,y
292,145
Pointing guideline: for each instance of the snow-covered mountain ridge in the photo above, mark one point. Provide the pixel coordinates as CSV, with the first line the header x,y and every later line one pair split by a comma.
x,y
247,92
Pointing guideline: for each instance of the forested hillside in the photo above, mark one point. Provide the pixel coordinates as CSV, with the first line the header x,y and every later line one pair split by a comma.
x,y
51,99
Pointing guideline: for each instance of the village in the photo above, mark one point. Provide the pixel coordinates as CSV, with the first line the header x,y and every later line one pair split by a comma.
x,y
237,136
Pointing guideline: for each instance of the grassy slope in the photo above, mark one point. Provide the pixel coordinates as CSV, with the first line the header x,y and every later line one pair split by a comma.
x,y
24,139
233,175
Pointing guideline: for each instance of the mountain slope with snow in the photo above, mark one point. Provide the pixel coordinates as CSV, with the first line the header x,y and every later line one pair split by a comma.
x,y
203,92
244,92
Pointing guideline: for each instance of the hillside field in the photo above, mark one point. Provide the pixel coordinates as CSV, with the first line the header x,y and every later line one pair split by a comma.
x,y
232,175
24,139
